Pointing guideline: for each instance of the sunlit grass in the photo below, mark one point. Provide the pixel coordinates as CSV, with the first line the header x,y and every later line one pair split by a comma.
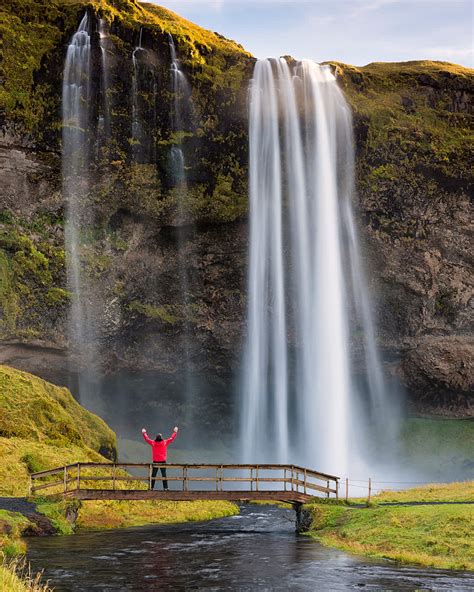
x,y
16,576
432,535
98,515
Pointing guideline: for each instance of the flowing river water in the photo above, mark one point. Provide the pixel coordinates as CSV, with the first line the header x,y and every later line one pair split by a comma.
x,y
257,550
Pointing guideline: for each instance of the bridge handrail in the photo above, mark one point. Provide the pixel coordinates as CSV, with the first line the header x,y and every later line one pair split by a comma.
x,y
293,476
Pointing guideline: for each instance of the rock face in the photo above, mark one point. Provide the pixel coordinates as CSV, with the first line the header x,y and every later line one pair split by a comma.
x,y
414,179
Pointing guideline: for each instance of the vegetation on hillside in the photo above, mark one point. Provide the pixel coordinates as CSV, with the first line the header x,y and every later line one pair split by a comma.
x,y
34,34
415,123
429,535
43,426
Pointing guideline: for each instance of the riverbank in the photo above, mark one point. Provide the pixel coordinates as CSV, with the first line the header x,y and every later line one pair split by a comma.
x,y
432,535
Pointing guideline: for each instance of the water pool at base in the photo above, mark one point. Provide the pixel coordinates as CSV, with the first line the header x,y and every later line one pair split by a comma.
x,y
257,550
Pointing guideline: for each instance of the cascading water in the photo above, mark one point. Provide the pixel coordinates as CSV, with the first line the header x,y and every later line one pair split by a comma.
x,y
181,91
300,402
144,90
179,119
76,115
104,42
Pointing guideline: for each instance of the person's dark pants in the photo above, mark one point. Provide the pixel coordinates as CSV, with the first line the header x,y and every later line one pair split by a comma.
x,y
163,474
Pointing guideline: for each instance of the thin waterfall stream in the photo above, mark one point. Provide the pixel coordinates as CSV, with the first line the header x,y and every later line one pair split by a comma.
x,y
76,115
300,399
179,115
143,100
105,43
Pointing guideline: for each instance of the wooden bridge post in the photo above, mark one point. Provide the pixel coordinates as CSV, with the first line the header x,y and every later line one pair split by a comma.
x,y
347,488
251,478
150,468
65,478
114,475
370,490
78,476
256,478
284,480
327,485
292,477
222,478
304,481
337,489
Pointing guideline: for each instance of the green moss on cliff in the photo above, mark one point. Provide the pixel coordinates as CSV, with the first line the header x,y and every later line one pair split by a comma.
x,y
413,126
32,270
167,313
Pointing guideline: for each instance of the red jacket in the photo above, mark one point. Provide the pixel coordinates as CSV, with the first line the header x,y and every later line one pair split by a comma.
x,y
159,448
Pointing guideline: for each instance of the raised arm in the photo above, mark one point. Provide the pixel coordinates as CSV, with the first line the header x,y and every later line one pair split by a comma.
x,y
172,437
147,439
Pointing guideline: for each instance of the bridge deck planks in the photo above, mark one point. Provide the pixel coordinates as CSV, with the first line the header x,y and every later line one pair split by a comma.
x,y
233,496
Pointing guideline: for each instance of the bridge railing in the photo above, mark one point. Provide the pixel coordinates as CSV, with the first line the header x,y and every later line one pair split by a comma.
x,y
185,477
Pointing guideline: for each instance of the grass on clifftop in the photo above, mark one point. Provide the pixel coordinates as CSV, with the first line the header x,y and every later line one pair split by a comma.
x,y
432,535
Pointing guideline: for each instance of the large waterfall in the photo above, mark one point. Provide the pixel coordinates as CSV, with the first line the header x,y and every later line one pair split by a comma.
x,y
307,293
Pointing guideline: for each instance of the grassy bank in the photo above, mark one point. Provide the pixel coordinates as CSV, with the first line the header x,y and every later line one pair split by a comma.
x,y
105,514
432,535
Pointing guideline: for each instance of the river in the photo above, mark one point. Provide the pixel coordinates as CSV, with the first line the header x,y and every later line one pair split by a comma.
x,y
257,550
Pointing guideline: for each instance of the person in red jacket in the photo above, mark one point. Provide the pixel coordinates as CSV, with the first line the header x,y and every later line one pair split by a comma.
x,y
159,446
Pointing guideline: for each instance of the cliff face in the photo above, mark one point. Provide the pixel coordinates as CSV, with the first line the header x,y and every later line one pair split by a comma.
x,y
414,166
413,125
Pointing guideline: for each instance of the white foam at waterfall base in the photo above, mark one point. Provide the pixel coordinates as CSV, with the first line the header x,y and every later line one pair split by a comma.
x,y
299,401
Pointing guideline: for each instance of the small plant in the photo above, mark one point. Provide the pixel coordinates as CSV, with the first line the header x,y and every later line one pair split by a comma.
x,y
33,463
16,575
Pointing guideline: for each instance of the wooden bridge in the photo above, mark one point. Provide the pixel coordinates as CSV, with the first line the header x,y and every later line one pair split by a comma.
x,y
115,481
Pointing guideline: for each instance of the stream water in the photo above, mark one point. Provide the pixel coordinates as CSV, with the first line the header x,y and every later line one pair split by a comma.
x,y
257,550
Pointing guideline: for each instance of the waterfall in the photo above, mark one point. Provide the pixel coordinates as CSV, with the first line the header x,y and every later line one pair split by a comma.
x,y
300,401
76,98
180,108
104,42
181,91
144,91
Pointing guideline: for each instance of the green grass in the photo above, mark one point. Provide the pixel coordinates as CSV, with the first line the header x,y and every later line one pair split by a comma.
x,y
35,410
43,427
433,536
436,492
15,576
12,526
438,447
99,515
